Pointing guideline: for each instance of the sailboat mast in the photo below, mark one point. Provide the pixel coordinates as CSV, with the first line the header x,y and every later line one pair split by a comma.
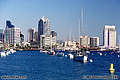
x,y
119,43
79,27
70,34
81,20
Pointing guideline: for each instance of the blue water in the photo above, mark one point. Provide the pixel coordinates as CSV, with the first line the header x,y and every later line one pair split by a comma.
x,y
38,66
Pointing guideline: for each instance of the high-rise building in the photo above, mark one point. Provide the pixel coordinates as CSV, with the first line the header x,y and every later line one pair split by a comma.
x,y
36,36
54,40
12,36
16,35
53,33
21,38
31,37
109,36
47,41
94,41
46,38
1,35
43,27
84,41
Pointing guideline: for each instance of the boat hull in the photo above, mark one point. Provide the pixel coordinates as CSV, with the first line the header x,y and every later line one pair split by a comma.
x,y
60,54
81,58
51,53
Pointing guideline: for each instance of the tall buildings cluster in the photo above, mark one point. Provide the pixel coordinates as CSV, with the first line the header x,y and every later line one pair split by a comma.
x,y
109,39
47,38
85,41
44,36
11,35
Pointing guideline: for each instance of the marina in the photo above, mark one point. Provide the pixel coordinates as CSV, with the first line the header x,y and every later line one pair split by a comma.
x,y
59,40
35,65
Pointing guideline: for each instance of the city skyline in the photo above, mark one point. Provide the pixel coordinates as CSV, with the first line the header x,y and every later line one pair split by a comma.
x,y
63,15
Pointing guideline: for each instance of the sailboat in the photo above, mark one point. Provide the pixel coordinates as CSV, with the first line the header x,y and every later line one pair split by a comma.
x,y
81,56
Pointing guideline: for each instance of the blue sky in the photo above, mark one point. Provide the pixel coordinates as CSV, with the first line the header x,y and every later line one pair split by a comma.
x,y
63,15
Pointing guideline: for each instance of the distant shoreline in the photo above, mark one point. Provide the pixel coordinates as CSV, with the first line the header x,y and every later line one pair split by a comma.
x,y
49,49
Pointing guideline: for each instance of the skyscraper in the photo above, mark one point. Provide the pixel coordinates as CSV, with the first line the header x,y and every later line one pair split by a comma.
x,y
43,27
12,34
36,36
31,33
1,35
84,41
109,36
21,37
94,41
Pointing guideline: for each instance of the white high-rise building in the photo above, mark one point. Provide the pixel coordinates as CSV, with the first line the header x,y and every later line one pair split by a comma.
x,y
12,36
84,41
109,36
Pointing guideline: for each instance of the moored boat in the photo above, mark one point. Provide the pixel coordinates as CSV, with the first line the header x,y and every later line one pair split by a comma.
x,y
3,54
52,52
80,57
70,56
61,54
45,52
12,51
87,51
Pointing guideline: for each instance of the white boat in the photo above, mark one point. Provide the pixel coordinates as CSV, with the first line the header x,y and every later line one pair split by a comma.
x,y
61,54
12,51
87,51
45,52
70,56
81,57
100,54
3,54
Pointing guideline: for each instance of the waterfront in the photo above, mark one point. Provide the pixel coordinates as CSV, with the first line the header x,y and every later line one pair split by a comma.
x,y
38,66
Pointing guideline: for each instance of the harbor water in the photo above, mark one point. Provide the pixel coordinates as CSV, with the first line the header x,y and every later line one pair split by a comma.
x,y
33,65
